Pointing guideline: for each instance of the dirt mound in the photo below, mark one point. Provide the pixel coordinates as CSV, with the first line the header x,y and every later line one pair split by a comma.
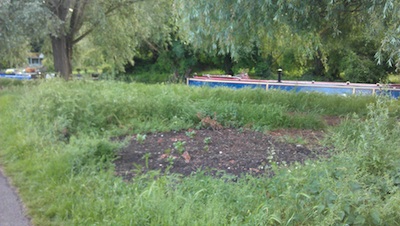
x,y
234,151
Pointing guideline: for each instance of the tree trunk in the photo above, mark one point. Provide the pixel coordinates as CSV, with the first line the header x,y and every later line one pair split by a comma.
x,y
228,64
319,68
62,55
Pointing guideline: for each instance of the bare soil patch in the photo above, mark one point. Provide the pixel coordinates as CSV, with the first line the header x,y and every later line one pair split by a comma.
x,y
233,151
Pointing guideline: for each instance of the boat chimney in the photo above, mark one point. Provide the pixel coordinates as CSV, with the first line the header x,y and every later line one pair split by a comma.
x,y
280,75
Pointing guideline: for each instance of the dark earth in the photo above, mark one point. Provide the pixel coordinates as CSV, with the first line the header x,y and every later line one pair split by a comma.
x,y
233,151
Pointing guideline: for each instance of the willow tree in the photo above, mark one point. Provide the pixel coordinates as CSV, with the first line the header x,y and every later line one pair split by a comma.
x,y
115,27
16,27
227,26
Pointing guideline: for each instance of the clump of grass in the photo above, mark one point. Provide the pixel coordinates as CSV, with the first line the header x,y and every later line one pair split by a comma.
x,y
146,158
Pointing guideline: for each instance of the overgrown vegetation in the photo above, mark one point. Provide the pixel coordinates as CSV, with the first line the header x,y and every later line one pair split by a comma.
x,y
56,143
6,83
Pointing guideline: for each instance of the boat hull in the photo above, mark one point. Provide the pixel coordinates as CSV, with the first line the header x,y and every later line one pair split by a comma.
x,y
298,86
16,76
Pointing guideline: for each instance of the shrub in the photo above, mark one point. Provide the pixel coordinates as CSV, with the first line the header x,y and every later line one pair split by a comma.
x,y
372,139
362,69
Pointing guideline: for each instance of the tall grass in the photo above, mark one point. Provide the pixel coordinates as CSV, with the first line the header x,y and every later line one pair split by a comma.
x,y
5,82
89,107
55,144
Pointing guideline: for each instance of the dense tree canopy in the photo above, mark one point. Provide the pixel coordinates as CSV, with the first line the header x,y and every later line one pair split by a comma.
x,y
328,37
113,26
233,27
17,28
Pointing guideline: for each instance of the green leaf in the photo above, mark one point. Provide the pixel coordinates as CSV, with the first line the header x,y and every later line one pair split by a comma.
x,y
360,220
376,217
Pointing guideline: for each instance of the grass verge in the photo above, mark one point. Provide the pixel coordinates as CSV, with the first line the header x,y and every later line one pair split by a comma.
x,y
55,144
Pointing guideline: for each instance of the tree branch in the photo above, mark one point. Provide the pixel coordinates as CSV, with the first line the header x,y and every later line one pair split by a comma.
x,y
151,46
107,13
77,17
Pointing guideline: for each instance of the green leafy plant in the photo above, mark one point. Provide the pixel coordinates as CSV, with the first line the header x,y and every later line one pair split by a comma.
x,y
377,147
371,139
207,140
140,138
170,160
179,146
190,134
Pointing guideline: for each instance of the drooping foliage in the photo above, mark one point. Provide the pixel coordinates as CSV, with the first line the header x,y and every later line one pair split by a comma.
x,y
16,28
335,39
313,31
113,27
